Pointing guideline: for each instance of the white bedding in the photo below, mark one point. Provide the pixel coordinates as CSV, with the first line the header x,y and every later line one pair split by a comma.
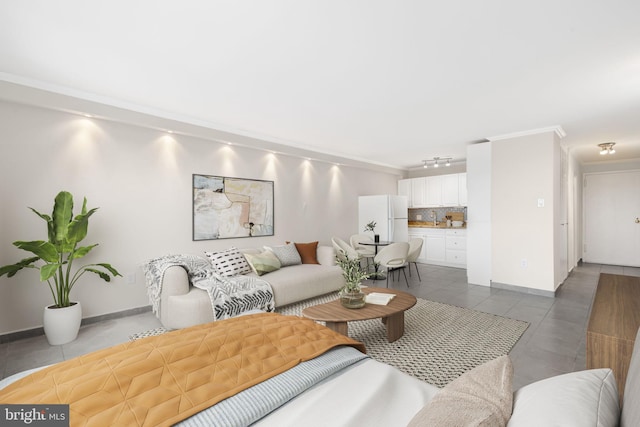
x,y
368,393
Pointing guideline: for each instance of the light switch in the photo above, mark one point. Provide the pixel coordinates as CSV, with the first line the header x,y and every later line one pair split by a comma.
x,y
541,203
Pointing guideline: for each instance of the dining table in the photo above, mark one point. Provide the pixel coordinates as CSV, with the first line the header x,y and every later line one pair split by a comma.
x,y
377,275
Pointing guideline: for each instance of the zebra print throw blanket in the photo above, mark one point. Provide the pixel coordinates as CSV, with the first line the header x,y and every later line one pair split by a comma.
x,y
230,296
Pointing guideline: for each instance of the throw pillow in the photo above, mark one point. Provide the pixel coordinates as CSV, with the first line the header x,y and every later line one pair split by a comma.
x,y
480,397
229,262
583,398
287,254
308,252
264,262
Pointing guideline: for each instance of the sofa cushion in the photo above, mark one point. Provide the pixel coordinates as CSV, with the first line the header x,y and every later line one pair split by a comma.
x,y
287,254
264,262
303,281
583,398
307,252
229,262
479,397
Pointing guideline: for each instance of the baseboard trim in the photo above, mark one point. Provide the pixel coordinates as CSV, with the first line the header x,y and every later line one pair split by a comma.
x,y
29,333
523,289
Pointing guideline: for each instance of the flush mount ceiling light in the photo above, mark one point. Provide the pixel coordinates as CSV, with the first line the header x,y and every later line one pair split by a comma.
x,y
437,161
607,148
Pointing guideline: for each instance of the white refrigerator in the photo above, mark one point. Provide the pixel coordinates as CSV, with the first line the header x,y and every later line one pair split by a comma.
x,y
390,213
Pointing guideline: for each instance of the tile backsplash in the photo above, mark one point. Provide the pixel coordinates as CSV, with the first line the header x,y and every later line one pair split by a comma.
x,y
440,213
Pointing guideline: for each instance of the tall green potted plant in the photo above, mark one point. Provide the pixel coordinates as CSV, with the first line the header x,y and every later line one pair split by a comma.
x,y
54,259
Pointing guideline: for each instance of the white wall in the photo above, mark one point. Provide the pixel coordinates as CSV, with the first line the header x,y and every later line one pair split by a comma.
x,y
141,181
523,171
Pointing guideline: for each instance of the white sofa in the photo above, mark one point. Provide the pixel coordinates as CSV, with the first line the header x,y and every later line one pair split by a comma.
x,y
183,305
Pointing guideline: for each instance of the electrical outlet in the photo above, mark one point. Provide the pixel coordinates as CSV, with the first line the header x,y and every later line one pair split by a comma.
x,y
419,217
524,263
131,278
541,203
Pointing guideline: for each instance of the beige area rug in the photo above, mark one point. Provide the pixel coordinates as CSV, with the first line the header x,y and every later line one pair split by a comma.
x,y
440,341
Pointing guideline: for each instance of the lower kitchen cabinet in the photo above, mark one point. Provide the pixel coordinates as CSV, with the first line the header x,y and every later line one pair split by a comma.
x,y
442,246
436,246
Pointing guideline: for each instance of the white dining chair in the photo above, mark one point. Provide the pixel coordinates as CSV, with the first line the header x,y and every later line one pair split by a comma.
x,y
343,249
364,251
415,246
393,258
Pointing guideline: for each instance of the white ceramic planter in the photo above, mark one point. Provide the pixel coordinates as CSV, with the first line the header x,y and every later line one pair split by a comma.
x,y
61,325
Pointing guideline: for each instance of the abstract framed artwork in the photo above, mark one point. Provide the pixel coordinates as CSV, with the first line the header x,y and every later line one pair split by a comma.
x,y
228,208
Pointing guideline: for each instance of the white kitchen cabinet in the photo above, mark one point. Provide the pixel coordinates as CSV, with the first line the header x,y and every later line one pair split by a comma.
x,y
450,190
462,189
435,191
433,194
435,244
404,189
442,246
418,192
456,247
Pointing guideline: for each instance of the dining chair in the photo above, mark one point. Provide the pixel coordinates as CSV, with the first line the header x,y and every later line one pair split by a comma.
x,y
343,249
394,257
415,246
364,252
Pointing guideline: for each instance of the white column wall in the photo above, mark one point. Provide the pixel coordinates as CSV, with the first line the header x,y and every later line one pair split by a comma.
x,y
479,214
522,234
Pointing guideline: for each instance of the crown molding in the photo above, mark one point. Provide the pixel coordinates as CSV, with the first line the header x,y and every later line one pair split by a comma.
x,y
556,129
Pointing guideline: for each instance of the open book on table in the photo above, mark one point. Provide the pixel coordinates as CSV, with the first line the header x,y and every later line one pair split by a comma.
x,y
379,298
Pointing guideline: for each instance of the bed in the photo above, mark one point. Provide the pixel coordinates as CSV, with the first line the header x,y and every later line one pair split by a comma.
x,y
263,369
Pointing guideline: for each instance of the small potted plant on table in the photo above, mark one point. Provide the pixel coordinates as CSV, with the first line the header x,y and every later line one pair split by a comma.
x,y
351,295
371,226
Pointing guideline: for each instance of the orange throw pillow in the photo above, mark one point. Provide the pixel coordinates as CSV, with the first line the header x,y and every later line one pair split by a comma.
x,y
307,252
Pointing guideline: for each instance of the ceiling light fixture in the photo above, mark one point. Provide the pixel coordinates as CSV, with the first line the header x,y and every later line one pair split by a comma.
x,y
607,148
437,161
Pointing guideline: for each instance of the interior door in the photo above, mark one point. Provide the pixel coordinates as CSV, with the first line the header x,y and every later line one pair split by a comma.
x,y
611,224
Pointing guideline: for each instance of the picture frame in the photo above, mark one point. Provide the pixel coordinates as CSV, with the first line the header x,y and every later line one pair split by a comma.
x,y
230,208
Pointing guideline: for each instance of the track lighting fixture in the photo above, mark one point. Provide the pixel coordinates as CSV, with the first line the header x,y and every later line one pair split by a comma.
x,y
607,148
437,161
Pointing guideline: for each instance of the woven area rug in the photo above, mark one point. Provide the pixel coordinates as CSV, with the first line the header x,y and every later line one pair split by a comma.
x,y
440,341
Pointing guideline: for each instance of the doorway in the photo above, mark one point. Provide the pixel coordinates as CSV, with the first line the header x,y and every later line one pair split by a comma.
x,y
611,218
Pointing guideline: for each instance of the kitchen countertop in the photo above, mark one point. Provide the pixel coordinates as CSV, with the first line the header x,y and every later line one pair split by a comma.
x,y
429,224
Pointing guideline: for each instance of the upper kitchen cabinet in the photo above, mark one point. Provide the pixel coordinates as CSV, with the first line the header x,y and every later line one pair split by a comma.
x,y
404,189
435,191
462,189
433,196
450,190
418,192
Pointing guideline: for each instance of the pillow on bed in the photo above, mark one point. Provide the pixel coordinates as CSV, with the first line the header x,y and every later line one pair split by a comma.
x,y
308,252
229,263
264,262
287,254
480,397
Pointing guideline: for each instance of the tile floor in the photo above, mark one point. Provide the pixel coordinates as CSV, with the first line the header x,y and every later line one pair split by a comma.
x,y
553,344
